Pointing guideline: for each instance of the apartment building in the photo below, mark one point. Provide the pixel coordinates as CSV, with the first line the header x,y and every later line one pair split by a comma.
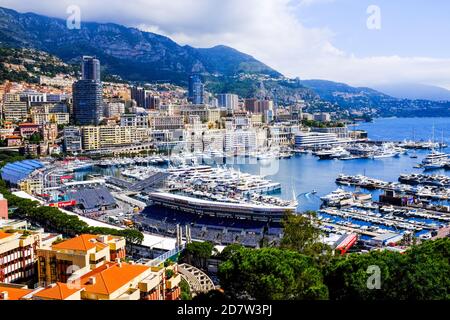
x,y
14,109
166,122
77,256
205,113
57,118
99,137
17,254
138,120
72,139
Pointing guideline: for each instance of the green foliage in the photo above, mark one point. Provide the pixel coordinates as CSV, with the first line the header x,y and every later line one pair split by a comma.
x,y
169,273
419,274
185,290
35,138
55,220
319,124
299,234
229,251
271,274
211,296
35,62
9,156
197,254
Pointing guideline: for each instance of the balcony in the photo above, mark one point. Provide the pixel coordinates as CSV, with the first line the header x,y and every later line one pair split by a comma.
x,y
150,283
173,282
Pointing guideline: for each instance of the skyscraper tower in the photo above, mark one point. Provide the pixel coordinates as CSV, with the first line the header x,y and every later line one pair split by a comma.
x,y
88,94
90,68
196,90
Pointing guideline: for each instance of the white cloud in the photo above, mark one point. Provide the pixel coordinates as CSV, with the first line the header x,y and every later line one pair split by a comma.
x,y
267,29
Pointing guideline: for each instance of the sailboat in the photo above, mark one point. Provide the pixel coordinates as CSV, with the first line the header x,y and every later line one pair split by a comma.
x,y
414,155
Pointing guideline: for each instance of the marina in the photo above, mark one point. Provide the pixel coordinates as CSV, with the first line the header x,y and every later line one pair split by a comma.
x,y
241,197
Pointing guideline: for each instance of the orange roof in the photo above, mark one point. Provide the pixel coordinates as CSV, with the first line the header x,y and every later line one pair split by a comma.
x,y
28,124
15,293
4,235
84,242
110,277
60,291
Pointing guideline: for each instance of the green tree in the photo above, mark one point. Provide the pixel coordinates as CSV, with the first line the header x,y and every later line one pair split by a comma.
x,y
197,254
300,234
421,273
271,274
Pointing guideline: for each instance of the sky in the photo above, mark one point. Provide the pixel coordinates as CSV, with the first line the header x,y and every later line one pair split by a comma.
x,y
359,42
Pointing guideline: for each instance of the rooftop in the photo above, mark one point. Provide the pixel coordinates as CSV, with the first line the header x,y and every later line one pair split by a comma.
x,y
58,291
4,235
14,293
84,242
111,277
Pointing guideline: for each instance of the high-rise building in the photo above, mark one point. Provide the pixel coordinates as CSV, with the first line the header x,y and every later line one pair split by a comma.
x,y
153,102
15,108
72,139
90,68
196,90
228,101
251,105
138,94
88,94
113,109
87,102
18,251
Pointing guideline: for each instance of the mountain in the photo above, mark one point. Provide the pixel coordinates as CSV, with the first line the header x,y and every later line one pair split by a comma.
x,y
342,93
415,91
133,54
18,64
375,103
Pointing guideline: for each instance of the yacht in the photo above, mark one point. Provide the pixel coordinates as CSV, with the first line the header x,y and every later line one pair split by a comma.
x,y
435,157
334,153
337,196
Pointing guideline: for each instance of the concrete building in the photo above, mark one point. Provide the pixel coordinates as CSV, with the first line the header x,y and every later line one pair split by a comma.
x,y
228,101
3,208
139,95
88,94
17,254
340,132
28,129
100,137
72,139
196,90
14,109
315,139
57,118
205,113
77,256
58,81
138,120
90,68
166,122
87,102
113,109
322,117
258,106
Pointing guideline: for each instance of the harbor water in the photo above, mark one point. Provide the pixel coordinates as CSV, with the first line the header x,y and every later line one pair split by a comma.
x,y
303,174
307,178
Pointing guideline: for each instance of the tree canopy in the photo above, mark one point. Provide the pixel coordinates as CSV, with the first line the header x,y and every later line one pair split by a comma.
x,y
197,254
271,274
421,273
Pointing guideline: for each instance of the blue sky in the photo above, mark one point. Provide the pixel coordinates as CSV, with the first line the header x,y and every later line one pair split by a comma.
x,y
312,39
419,28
